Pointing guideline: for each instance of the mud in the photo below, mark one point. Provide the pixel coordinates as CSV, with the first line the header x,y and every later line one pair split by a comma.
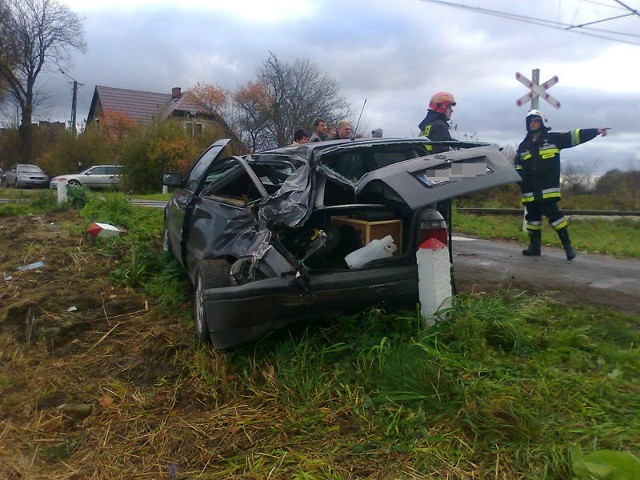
x,y
70,293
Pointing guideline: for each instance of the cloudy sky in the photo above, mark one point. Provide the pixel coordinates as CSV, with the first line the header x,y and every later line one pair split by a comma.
x,y
393,53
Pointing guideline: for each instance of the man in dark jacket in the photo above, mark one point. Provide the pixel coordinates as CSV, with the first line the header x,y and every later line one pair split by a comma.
x,y
538,163
319,130
436,124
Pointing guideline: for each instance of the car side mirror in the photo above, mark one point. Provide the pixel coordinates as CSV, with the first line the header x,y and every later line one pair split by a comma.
x,y
172,179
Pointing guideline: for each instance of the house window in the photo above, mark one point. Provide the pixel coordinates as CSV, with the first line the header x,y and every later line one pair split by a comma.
x,y
193,127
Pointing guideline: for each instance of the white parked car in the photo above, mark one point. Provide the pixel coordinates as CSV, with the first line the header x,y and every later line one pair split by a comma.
x,y
98,176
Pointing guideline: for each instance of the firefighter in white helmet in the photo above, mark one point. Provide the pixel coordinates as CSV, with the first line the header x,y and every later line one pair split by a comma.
x,y
538,163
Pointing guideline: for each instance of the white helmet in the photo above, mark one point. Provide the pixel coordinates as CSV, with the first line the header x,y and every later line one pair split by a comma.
x,y
540,115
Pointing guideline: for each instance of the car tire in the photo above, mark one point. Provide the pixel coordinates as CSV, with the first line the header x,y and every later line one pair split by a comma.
x,y
212,273
73,183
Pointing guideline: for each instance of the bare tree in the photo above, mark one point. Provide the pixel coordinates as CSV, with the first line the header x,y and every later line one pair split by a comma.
x,y
299,92
580,177
34,34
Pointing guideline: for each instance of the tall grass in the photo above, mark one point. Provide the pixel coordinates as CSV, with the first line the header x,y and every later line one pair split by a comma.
x,y
507,385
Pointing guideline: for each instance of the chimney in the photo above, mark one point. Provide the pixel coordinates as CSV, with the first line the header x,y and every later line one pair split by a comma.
x,y
176,92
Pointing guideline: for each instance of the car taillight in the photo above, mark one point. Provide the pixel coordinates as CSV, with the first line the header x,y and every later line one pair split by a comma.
x,y
433,225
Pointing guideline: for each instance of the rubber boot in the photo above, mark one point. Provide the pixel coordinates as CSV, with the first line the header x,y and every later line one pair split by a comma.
x,y
563,233
535,241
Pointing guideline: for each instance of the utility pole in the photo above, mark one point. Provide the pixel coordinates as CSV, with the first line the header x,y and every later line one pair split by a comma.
x,y
535,78
74,100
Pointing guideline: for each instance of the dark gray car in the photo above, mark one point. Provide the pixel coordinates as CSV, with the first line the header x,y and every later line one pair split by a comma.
x,y
263,237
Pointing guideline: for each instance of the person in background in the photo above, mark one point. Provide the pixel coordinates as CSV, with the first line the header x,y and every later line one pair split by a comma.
x,y
344,130
300,137
537,161
377,133
436,124
331,132
319,130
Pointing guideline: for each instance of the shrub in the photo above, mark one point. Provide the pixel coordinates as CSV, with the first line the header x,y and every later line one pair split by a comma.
x,y
114,208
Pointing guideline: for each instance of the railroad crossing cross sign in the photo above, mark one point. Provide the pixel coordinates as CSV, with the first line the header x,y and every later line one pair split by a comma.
x,y
537,91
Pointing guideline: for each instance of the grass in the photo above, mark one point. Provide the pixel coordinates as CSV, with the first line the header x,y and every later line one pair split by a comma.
x,y
508,386
617,237
504,389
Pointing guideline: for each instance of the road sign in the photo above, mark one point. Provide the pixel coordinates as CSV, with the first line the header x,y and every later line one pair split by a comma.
x,y
537,90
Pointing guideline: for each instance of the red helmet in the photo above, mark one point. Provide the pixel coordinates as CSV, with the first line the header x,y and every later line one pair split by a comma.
x,y
440,101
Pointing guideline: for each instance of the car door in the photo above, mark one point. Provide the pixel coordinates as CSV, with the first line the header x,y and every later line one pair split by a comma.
x,y
180,206
112,175
223,220
95,177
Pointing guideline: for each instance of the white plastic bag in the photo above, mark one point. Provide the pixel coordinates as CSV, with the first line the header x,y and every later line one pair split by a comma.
x,y
377,248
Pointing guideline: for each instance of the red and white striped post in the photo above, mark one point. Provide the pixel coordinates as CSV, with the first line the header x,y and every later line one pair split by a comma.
x,y
434,279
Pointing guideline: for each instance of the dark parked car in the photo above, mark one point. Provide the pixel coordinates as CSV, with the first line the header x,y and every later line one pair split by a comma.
x,y
25,175
263,237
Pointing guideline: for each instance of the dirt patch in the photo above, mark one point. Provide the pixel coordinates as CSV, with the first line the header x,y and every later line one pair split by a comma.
x,y
69,292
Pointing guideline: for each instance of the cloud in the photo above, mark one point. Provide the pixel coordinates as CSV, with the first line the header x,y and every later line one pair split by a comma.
x,y
393,54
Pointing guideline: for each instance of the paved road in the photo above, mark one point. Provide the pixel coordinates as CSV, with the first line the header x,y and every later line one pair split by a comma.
x,y
599,279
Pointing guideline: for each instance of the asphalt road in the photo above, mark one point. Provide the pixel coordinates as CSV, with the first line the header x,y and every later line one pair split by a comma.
x,y
589,278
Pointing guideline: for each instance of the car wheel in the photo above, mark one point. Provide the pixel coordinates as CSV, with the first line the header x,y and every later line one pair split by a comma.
x,y
73,183
212,273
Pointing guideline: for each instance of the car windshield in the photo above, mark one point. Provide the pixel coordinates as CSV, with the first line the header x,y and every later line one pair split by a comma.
x,y
30,169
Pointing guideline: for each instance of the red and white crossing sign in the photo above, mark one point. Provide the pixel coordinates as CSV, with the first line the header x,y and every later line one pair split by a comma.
x,y
537,90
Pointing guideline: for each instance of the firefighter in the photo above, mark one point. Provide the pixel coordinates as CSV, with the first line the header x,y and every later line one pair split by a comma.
x,y
538,163
435,125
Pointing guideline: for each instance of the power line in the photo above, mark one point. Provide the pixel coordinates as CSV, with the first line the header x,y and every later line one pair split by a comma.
x,y
584,29
635,12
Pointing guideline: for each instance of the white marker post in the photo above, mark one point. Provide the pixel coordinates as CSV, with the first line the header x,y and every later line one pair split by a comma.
x,y
434,279
62,192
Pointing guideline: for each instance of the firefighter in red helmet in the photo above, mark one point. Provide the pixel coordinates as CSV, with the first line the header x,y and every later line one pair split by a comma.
x,y
435,125
537,161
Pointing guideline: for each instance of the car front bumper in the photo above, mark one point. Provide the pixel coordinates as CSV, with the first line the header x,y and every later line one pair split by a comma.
x,y
240,313
32,182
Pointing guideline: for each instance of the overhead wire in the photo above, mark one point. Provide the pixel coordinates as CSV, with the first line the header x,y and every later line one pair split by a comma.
x,y
584,29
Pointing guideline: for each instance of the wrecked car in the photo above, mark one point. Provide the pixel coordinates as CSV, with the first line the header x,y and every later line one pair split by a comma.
x,y
263,237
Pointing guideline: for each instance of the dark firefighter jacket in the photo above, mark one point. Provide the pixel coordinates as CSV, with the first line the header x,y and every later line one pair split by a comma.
x,y
538,162
436,127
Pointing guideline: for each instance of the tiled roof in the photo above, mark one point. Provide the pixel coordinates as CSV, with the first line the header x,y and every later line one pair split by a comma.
x,y
186,102
143,106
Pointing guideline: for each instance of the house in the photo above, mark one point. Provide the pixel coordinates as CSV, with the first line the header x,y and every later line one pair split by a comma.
x,y
111,104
